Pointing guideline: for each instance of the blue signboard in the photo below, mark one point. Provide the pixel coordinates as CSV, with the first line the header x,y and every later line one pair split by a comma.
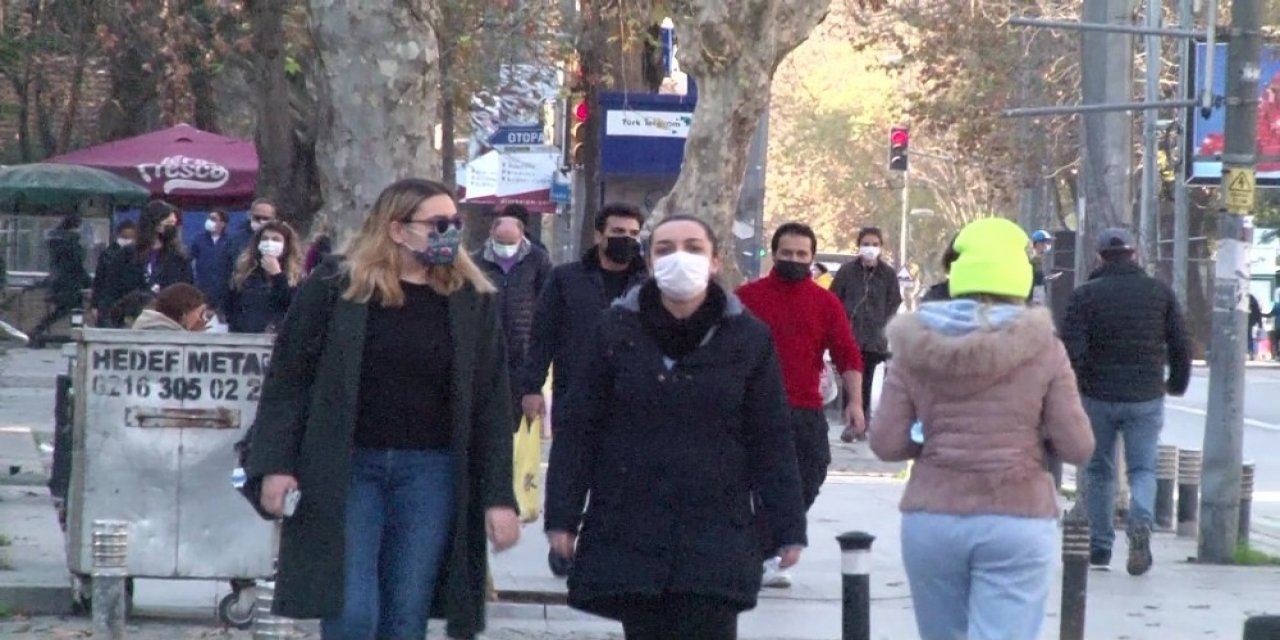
x,y
1204,143
644,134
517,136
561,189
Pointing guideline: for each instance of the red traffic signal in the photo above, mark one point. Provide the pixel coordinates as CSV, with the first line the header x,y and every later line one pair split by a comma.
x,y
899,140
581,112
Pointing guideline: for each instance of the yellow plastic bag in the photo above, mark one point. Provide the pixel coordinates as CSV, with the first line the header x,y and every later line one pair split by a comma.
x,y
528,468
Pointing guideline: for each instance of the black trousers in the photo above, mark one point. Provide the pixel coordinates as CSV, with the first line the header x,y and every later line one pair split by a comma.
x,y
680,616
813,457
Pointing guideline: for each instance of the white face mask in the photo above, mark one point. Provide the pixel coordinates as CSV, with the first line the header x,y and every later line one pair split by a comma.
x,y
211,225
124,242
271,248
257,226
505,250
870,253
682,275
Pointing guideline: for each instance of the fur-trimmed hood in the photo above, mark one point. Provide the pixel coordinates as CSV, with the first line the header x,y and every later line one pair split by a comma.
x,y
969,342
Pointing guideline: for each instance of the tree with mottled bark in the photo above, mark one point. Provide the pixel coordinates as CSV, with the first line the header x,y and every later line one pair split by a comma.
x,y
379,100
732,49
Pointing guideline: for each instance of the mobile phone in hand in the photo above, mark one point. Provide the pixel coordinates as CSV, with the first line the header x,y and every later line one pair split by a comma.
x,y
291,499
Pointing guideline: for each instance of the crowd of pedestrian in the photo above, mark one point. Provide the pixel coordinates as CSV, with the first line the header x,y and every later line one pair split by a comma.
x,y
689,419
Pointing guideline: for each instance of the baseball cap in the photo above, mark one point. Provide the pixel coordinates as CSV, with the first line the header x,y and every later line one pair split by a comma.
x,y
1115,239
1041,236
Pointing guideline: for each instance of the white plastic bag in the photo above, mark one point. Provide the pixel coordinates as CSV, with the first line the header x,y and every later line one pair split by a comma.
x,y
829,383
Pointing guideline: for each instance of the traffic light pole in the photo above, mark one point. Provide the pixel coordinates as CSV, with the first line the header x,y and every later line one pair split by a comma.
x,y
906,213
1224,426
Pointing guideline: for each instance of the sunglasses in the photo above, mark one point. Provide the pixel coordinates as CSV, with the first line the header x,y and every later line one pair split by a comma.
x,y
442,225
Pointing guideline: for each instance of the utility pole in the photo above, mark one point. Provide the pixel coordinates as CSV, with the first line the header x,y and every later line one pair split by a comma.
x,y
1224,426
906,214
1147,228
1106,78
1181,204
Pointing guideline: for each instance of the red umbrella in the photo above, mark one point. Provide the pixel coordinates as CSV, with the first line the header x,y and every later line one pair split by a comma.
x,y
183,165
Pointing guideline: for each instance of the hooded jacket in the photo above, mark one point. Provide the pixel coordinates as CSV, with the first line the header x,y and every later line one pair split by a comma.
x,y
151,320
995,392
670,456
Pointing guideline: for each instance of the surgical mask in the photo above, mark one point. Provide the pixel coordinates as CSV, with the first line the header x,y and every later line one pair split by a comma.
x,y
211,225
257,226
791,271
505,251
870,253
442,248
682,275
273,248
621,249
124,242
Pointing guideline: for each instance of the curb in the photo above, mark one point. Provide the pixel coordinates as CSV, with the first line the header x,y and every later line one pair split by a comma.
x,y
36,600
27,382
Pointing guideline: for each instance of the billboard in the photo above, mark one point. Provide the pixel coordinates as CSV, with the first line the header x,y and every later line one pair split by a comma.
x,y
1204,144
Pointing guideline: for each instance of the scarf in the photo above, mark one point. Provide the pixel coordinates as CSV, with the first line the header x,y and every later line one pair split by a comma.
x,y
677,338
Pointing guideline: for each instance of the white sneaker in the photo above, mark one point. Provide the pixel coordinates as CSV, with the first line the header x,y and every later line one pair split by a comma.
x,y
774,577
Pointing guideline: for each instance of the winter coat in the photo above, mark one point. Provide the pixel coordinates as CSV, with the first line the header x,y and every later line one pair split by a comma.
x,y
938,292
260,304
871,297
994,390
127,272
1122,328
212,267
100,277
519,289
67,275
305,425
670,459
152,320
569,307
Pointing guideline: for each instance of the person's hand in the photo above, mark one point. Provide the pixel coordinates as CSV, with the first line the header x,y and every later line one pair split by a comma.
x,y
271,265
274,487
563,543
788,557
855,420
503,526
533,405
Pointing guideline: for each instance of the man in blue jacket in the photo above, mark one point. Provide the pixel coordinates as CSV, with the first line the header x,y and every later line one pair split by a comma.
x,y
572,302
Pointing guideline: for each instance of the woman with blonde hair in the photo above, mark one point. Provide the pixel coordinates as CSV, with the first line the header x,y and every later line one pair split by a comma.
x,y
386,409
266,277
979,393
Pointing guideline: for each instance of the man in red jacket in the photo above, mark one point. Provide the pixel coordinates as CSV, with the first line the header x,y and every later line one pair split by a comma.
x,y
806,320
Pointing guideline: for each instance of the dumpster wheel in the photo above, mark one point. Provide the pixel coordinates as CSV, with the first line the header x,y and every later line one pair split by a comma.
x,y
82,595
239,608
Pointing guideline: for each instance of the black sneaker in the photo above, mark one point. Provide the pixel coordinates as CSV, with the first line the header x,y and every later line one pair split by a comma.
x,y
1139,549
1100,558
560,566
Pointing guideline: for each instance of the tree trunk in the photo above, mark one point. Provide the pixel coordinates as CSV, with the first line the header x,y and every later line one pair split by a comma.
x,y
448,109
80,60
379,99
731,51
274,137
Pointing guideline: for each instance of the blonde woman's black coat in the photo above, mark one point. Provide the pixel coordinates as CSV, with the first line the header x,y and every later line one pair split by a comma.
x,y
305,424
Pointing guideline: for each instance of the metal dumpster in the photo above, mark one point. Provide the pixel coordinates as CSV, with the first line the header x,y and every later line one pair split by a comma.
x,y
156,416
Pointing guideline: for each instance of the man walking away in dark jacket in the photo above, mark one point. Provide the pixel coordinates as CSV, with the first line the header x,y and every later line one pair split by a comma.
x,y
941,291
67,275
572,303
519,270
1121,329
868,287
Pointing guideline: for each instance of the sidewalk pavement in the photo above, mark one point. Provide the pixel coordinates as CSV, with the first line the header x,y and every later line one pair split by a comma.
x,y
1177,600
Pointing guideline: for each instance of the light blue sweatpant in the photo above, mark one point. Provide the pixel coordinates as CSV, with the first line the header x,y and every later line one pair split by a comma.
x,y
980,577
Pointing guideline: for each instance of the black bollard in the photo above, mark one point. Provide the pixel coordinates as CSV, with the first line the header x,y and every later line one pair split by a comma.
x,y
1166,484
1262,628
855,567
1075,577
1246,503
1188,492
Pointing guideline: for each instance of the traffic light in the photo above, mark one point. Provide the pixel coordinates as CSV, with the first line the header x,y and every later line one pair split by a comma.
x,y
899,139
576,145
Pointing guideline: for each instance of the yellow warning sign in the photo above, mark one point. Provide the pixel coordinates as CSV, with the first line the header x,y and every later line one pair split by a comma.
x,y
1239,184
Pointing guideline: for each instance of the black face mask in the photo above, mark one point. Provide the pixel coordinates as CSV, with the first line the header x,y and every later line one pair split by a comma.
x,y
791,271
621,249
169,233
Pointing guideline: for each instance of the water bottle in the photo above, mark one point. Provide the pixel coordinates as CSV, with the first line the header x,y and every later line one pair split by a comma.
x,y
917,432
237,478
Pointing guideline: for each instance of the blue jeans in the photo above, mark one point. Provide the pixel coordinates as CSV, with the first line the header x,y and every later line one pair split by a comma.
x,y
979,576
1140,424
399,519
